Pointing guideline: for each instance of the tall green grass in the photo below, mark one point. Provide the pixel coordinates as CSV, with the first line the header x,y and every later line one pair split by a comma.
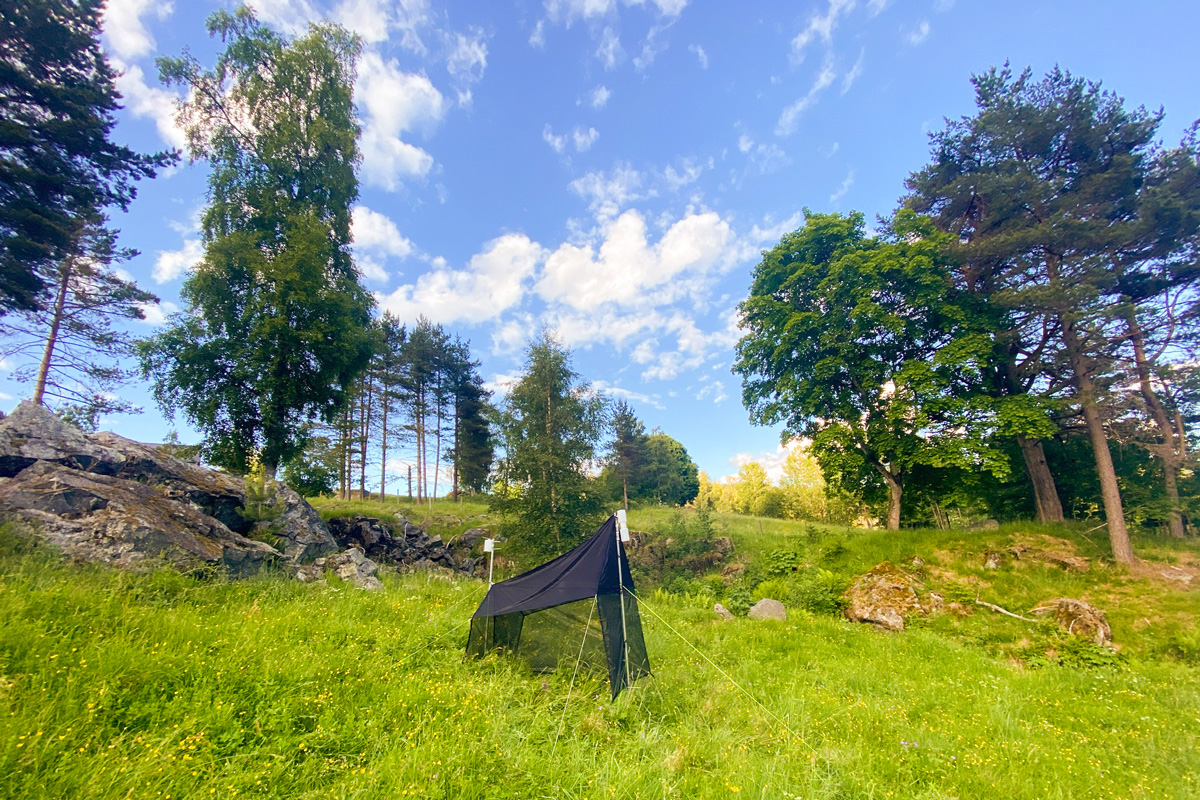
x,y
153,685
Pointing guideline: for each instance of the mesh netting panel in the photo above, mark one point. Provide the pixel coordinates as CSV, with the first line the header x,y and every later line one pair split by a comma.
x,y
552,638
545,639
611,611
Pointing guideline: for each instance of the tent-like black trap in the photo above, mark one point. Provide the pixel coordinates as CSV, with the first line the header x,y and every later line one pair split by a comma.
x,y
580,607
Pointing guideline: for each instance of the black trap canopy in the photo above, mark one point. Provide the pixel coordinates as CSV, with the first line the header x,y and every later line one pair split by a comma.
x,y
580,606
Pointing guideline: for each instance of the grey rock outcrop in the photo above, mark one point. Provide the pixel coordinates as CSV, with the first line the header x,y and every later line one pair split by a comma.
x,y
405,544
722,612
1079,618
768,609
103,497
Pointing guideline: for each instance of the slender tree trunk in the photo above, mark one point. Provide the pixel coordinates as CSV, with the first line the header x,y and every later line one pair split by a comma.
x,y
1110,490
457,451
65,271
1173,449
1045,494
368,396
383,400
625,491
437,438
895,490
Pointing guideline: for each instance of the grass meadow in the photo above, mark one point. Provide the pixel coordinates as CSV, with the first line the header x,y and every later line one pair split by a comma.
x,y
161,685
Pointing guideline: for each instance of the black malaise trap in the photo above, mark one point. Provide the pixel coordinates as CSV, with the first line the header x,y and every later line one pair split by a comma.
x,y
578,608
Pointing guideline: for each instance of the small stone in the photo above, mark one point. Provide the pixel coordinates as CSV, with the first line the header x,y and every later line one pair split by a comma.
x,y
722,612
768,609
992,560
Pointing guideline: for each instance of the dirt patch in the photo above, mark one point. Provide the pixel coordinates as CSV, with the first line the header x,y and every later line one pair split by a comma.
x,y
1039,548
1177,576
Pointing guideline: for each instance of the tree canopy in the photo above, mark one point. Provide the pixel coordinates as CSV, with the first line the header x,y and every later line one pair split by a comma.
x,y
58,167
549,427
858,344
277,325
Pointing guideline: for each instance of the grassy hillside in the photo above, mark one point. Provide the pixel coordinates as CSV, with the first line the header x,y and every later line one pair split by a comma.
x,y
162,685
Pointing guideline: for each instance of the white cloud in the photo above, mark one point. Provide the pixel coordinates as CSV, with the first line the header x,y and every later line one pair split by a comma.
x,y
837,196
876,7
624,269
855,72
395,102
599,97
567,11
608,194
493,282
538,37
371,269
154,102
370,19
714,390
604,387
124,34
468,57
609,50
701,56
688,173
820,26
157,313
289,16
557,143
170,264
790,117
920,34
584,139
668,8
377,233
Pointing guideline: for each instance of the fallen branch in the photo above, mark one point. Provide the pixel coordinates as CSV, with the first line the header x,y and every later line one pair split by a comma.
x,y
979,602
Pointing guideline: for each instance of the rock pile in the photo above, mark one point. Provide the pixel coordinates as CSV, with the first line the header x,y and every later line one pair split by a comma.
x,y
406,544
105,498
885,596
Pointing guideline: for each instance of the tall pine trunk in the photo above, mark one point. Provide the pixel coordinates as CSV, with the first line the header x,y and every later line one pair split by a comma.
x,y
1172,450
1110,490
65,271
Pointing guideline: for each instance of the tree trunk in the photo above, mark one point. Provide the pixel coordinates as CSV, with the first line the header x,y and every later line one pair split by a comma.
x,y
625,491
60,301
437,438
383,397
1110,490
1045,494
1173,449
366,437
895,489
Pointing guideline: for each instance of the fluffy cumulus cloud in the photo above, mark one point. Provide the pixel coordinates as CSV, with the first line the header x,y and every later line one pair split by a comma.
x,y
157,313
599,97
466,62
772,461
376,237
493,282
170,264
290,16
607,193
125,35
395,103
375,232
370,19
625,269
152,102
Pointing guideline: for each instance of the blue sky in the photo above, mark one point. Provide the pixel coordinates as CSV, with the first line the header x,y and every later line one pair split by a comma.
x,y
613,168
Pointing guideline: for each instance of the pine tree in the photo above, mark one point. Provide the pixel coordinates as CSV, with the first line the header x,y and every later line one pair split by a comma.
x,y
58,168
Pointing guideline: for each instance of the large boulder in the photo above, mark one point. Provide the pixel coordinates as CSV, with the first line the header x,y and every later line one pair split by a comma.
x,y
94,517
885,596
32,433
107,498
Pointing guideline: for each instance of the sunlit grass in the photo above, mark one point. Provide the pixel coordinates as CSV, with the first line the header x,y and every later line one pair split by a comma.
x,y
123,685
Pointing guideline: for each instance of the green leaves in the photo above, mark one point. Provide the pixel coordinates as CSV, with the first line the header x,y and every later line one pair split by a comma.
x,y
277,325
